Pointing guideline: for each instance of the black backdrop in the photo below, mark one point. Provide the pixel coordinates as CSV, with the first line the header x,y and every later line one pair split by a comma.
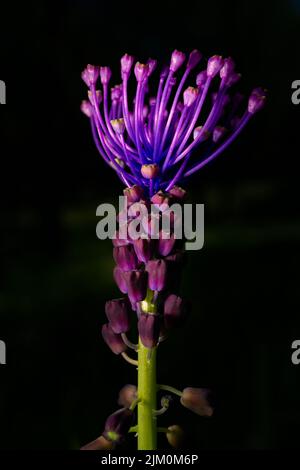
x,y
60,381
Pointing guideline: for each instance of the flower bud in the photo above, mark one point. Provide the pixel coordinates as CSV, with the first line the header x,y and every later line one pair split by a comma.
x,y
116,93
151,66
218,133
227,68
201,78
117,312
119,280
125,257
126,64
177,60
196,400
166,243
136,285
194,59
90,74
157,274
177,193
256,100
113,341
133,194
143,249
199,132
105,75
99,444
86,108
189,96
214,65
175,435
118,125
148,326
150,171
98,97
127,395
141,71
118,424
175,311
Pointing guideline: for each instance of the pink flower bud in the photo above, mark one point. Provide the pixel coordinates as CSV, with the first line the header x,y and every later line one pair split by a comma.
x,y
127,395
177,193
256,100
196,399
120,280
117,312
150,171
218,133
177,60
126,64
141,71
227,68
86,108
90,74
125,257
194,59
166,245
151,66
189,95
201,78
105,75
136,284
143,249
175,311
157,274
214,65
148,326
133,194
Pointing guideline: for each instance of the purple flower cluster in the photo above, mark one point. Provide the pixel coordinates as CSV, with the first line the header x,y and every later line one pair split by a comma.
x,y
150,141
144,271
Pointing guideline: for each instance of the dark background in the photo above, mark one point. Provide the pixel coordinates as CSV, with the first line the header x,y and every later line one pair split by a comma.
x,y
61,381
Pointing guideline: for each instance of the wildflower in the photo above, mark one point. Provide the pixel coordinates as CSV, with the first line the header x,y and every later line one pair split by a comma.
x,y
152,147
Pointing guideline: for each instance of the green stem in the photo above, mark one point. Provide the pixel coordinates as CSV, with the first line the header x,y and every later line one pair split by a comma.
x,y
147,429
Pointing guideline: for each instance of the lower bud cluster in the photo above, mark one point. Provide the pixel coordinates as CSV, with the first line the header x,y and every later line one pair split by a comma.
x,y
148,271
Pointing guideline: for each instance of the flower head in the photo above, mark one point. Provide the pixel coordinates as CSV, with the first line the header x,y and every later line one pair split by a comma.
x,y
152,146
